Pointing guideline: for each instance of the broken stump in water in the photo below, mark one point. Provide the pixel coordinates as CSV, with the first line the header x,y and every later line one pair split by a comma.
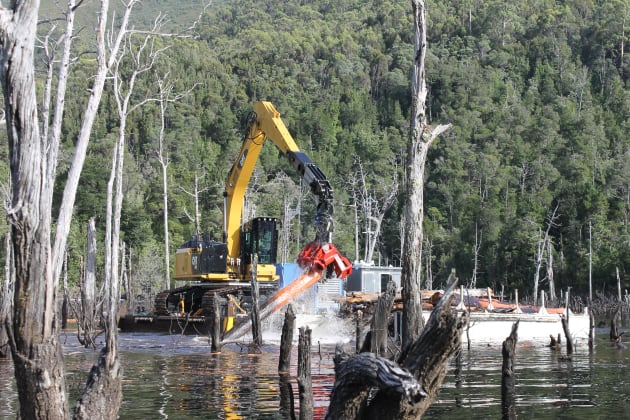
x,y
215,346
405,389
286,341
376,339
567,335
508,380
305,385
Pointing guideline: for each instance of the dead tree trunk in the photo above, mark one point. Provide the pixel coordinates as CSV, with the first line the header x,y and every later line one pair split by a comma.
x,y
614,325
6,299
305,385
215,347
255,314
567,335
508,380
36,351
286,341
378,333
404,390
87,314
421,137
358,332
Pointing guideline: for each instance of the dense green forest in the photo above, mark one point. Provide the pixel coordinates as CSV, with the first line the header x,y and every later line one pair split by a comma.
x,y
538,93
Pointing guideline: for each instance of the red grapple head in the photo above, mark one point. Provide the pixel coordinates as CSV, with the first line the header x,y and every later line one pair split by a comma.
x,y
318,257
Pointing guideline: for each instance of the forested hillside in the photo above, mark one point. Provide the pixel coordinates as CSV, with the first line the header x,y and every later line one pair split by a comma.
x,y
533,177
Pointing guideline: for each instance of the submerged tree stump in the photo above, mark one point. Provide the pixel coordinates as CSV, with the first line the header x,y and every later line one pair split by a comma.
x,y
372,387
567,335
215,330
508,380
305,385
286,341
376,340
255,314
614,325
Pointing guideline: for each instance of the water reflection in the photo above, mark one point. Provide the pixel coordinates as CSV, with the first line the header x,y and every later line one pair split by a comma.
x,y
174,377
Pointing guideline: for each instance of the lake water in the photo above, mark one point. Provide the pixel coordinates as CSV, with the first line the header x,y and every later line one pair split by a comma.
x,y
176,377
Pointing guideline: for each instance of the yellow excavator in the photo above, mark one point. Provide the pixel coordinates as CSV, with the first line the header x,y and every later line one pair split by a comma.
x,y
223,270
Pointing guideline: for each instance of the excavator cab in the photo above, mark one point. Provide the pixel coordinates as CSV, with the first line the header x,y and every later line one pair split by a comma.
x,y
260,236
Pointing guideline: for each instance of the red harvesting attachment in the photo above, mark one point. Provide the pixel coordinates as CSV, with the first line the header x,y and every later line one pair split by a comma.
x,y
318,257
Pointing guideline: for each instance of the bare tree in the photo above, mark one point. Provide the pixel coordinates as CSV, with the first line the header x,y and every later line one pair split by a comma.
x,y
34,342
86,312
35,346
166,96
477,248
541,248
421,137
374,203
196,218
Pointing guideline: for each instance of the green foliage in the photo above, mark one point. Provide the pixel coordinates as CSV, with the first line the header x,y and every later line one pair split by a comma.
x,y
537,92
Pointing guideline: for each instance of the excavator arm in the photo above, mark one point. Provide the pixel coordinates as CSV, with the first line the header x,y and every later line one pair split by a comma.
x,y
265,123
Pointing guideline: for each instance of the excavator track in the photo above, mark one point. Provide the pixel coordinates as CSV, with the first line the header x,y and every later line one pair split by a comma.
x,y
198,298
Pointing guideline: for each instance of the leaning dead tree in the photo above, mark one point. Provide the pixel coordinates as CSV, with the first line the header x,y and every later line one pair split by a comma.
x,y
372,387
421,137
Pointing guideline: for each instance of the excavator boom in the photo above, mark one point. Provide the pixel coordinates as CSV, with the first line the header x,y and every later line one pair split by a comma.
x,y
265,123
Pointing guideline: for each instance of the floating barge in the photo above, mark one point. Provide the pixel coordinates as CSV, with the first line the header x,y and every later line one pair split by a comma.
x,y
490,320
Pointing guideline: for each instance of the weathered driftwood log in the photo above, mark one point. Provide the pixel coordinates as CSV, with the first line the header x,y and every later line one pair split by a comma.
x,y
376,340
508,380
286,340
567,335
305,385
425,360
215,336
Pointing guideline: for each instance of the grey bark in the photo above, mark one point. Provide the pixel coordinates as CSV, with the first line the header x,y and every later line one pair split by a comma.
x,y
87,315
421,137
36,351
6,299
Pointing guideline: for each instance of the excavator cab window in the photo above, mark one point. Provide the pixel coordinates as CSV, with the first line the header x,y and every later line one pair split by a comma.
x,y
260,236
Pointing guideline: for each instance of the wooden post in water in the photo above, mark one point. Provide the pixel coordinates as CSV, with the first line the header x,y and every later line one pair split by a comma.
x,y
508,393
305,386
286,341
215,335
256,332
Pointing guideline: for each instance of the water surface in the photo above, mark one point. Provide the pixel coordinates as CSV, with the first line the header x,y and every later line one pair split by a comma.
x,y
177,377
